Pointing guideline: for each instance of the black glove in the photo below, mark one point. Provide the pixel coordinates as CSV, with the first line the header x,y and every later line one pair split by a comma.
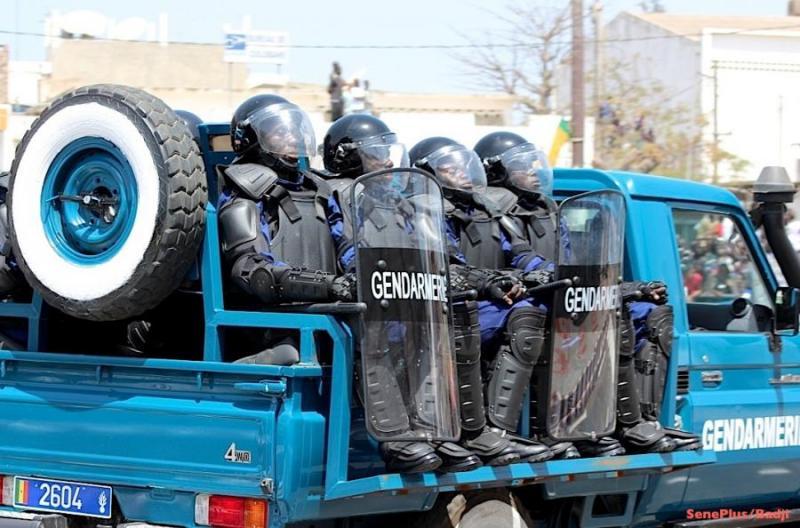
x,y
490,284
537,277
644,291
343,288
495,287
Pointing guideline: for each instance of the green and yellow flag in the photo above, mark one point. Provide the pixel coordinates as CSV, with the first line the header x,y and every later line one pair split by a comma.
x,y
562,136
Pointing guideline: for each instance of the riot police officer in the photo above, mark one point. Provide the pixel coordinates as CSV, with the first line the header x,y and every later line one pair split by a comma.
x,y
355,145
516,165
483,241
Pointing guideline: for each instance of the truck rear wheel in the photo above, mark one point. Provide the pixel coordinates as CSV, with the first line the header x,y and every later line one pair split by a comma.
x,y
106,202
480,509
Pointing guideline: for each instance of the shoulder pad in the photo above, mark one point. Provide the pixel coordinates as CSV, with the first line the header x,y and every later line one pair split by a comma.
x,y
251,178
503,198
511,227
323,173
314,181
340,185
449,208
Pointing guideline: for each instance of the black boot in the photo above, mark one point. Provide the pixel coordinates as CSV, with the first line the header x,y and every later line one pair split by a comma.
x,y
409,457
561,450
512,374
529,449
475,437
602,447
637,435
456,458
492,448
651,365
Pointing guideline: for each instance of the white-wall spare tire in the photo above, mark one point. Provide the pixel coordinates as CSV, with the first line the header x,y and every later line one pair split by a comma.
x,y
106,202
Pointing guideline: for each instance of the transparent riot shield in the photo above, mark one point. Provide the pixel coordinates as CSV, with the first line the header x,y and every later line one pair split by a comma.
x,y
585,335
405,335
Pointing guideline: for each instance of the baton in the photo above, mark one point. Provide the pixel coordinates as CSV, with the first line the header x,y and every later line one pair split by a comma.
x,y
466,295
555,285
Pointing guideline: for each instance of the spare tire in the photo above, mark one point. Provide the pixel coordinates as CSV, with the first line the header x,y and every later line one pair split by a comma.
x,y
107,202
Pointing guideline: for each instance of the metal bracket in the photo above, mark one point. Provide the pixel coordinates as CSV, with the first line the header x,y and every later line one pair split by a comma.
x,y
264,387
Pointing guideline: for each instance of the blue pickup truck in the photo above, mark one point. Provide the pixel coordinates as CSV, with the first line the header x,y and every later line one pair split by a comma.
x,y
96,437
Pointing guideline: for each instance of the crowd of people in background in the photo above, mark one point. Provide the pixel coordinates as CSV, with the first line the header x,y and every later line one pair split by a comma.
x,y
348,96
715,260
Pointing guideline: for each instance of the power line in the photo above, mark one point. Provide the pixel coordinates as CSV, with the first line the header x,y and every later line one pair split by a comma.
x,y
504,45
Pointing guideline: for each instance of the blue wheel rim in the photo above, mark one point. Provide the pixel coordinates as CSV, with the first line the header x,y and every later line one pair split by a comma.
x,y
89,166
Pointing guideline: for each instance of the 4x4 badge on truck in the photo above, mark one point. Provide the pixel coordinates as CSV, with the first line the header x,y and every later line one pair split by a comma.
x,y
236,455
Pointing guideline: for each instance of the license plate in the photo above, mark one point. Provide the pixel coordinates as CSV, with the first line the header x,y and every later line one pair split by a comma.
x,y
62,497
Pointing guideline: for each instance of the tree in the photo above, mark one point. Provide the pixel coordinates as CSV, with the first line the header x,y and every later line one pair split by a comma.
x,y
523,58
640,127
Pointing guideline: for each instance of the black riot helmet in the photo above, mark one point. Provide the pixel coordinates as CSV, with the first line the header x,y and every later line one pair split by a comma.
x,y
242,135
512,161
270,130
192,121
360,143
458,169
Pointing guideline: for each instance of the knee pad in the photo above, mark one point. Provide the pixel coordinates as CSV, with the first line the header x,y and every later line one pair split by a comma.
x,y
660,323
652,361
525,331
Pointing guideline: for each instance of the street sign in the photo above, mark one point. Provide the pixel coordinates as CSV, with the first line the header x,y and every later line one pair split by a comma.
x,y
266,47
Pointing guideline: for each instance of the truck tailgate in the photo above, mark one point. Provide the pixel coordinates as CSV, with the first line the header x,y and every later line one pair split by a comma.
x,y
177,429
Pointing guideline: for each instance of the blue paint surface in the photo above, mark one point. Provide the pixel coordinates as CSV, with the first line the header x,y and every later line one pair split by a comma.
x,y
88,166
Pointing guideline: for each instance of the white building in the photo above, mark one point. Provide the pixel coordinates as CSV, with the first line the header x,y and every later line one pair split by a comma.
x,y
745,71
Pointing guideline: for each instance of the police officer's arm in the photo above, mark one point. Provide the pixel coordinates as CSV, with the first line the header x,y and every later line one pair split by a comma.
x,y
342,236
253,268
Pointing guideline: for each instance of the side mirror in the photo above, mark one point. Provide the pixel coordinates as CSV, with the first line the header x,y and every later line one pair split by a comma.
x,y
787,310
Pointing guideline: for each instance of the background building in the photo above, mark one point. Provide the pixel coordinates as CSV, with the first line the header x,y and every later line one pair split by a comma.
x,y
740,75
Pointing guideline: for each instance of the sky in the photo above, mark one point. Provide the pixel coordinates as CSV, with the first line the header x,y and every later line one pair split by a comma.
x,y
342,22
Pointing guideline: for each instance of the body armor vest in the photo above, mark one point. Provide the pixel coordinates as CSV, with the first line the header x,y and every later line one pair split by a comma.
x,y
480,241
302,237
384,225
539,224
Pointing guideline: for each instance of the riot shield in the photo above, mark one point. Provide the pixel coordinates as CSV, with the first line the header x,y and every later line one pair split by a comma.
x,y
585,332
408,368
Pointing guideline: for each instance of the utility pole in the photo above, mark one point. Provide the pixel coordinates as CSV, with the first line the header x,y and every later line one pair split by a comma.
x,y
597,15
578,103
715,154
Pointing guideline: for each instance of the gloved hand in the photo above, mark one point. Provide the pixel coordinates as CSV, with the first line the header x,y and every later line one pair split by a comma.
x,y
653,291
491,285
501,287
538,277
343,288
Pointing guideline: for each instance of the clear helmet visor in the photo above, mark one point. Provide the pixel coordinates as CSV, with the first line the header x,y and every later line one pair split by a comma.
x,y
384,152
284,131
458,168
527,169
